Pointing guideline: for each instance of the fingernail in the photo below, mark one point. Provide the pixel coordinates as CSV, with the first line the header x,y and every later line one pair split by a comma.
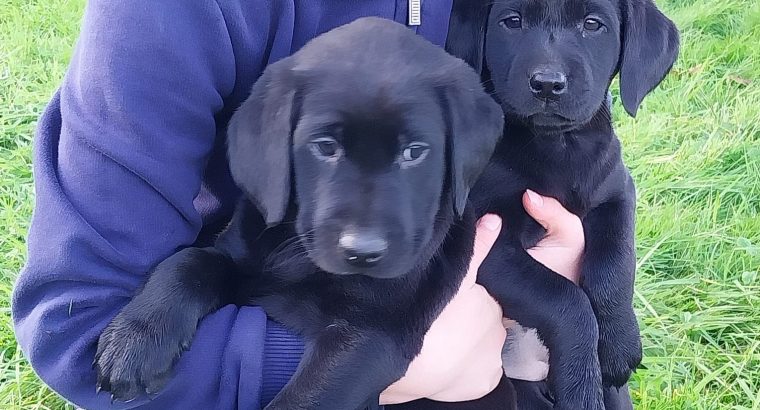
x,y
535,199
491,222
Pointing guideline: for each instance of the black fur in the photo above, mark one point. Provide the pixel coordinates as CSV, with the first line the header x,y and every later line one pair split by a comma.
x,y
565,149
561,144
363,92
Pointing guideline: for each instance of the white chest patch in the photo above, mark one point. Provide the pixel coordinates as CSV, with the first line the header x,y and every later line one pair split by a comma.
x,y
524,355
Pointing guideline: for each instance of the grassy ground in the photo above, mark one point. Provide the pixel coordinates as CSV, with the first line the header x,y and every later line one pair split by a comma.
x,y
694,151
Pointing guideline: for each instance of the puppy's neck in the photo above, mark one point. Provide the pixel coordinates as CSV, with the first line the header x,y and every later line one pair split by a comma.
x,y
557,164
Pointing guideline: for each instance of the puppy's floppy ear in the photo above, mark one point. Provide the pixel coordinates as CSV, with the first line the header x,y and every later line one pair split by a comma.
x,y
649,49
467,31
259,138
475,123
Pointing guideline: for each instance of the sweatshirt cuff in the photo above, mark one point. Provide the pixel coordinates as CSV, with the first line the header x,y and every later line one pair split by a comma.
x,y
282,353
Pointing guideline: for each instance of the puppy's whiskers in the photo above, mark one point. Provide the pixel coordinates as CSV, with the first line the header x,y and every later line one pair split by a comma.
x,y
293,242
290,250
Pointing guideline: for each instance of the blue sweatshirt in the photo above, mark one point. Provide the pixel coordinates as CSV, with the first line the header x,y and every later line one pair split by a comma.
x,y
130,166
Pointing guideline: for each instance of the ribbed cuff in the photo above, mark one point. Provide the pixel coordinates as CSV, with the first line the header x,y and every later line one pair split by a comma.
x,y
282,353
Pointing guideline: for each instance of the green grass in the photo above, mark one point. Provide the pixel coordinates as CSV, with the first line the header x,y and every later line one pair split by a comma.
x,y
694,152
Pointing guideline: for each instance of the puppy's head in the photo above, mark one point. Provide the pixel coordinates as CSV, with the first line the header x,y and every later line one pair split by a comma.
x,y
375,134
551,61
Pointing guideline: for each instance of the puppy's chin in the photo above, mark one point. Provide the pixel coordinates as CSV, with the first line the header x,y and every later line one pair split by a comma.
x,y
548,117
547,123
550,121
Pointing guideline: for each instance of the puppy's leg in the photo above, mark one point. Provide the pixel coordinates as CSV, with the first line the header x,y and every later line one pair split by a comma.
x,y
538,298
608,272
342,369
138,348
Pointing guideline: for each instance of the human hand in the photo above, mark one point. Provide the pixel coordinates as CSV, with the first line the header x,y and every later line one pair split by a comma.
x,y
460,358
436,373
562,248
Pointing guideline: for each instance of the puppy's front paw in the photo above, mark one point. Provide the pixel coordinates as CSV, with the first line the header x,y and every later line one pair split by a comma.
x,y
619,349
136,353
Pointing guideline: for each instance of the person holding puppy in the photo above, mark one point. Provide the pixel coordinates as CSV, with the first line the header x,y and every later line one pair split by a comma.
x,y
130,166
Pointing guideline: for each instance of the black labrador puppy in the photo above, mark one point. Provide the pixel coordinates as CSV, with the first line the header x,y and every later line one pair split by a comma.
x,y
357,154
549,63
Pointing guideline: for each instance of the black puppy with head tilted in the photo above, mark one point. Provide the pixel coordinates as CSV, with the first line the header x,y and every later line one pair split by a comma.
x,y
356,155
549,63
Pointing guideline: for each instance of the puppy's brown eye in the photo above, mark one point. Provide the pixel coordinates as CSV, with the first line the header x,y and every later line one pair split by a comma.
x,y
592,24
513,21
414,153
325,148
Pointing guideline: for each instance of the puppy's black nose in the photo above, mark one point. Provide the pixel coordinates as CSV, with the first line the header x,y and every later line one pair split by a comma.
x,y
362,248
548,84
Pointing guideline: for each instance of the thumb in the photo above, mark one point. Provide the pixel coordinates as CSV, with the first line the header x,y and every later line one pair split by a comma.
x,y
560,224
487,232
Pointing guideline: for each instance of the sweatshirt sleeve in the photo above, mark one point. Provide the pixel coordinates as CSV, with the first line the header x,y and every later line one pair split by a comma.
x,y
118,159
